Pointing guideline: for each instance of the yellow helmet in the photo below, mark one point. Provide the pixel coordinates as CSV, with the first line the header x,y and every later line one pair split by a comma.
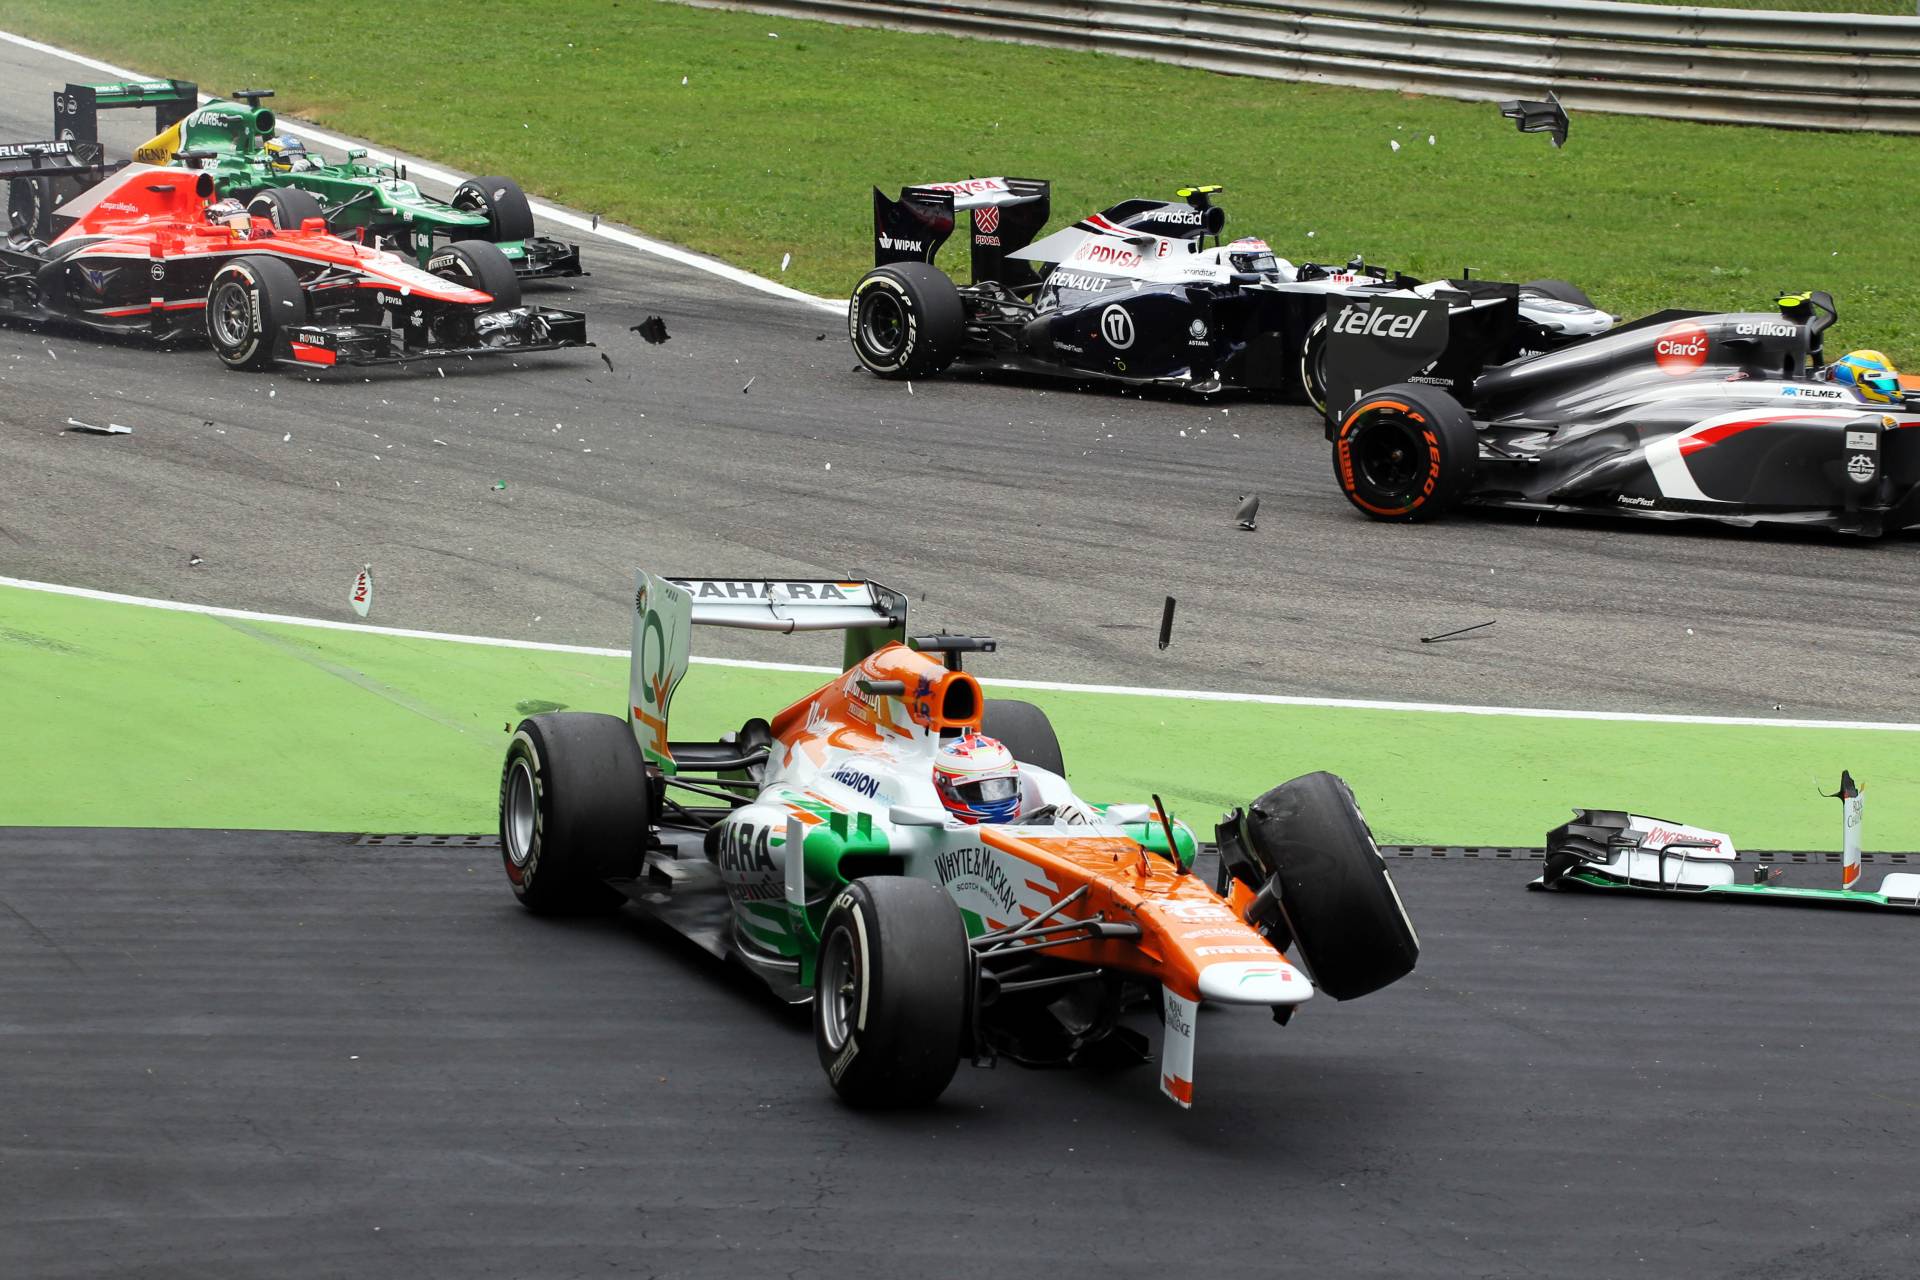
x,y
1870,374
285,151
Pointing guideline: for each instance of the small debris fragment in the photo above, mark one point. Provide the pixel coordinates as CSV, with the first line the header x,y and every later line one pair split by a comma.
x,y
499,485
653,329
287,438
819,337
1248,510
607,360
362,595
1448,635
785,258
683,79
1166,623
1394,143
194,562
1430,141
750,382
111,429
596,222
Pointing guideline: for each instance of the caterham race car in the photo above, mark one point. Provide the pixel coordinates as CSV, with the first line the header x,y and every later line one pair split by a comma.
x,y
274,174
150,252
1734,417
908,855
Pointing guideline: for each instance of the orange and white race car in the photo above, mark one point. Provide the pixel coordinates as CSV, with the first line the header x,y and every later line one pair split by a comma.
x,y
907,854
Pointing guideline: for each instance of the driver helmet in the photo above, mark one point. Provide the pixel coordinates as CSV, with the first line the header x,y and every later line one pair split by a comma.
x,y
1249,253
286,152
977,779
1870,374
232,215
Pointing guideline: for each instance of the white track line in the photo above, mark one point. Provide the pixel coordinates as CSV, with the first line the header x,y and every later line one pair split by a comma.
x,y
566,217
1188,695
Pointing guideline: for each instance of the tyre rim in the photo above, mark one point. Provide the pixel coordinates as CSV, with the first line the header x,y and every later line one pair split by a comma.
x,y
228,314
839,989
1388,453
883,323
520,813
1313,369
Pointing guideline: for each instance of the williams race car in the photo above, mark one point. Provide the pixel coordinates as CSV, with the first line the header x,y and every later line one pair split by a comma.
x,y
1132,294
908,855
281,181
150,252
1735,417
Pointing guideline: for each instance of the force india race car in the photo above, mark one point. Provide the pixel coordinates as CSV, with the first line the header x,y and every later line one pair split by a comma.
x,y
815,849
1131,294
1682,414
283,182
147,253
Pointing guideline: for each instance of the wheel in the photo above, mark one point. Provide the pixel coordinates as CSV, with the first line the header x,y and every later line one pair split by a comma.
x,y
30,207
1346,918
286,207
906,320
1405,452
478,264
890,994
1026,731
250,302
1560,291
1313,366
501,202
574,800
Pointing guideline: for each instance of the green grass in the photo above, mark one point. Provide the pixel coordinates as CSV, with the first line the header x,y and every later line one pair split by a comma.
x,y
770,146
131,716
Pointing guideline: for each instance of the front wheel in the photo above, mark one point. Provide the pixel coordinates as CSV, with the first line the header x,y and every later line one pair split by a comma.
x,y
251,301
286,207
478,264
1313,366
501,202
1405,452
906,320
890,1000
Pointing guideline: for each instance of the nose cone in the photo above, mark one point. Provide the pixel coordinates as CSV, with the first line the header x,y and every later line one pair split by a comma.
x,y
1267,982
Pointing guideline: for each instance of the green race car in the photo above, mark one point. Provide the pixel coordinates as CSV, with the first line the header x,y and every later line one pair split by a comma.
x,y
282,181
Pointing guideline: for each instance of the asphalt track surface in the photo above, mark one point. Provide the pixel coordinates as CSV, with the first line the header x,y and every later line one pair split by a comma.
x,y
1055,518
295,1055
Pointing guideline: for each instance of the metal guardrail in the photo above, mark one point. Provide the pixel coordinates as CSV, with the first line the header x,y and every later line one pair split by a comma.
x,y
1726,66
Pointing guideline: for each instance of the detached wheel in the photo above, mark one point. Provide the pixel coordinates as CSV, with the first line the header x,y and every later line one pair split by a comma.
x,y
1026,731
286,207
574,804
501,202
1313,367
1339,902
251,301
890,993
1560,291
478,264
906,320
1405,452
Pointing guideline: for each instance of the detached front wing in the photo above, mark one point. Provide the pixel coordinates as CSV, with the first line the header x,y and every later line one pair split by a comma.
x,y
531,329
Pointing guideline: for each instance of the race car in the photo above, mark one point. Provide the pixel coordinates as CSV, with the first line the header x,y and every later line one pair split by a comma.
x,y
1735,417
908,855
240,145
151,251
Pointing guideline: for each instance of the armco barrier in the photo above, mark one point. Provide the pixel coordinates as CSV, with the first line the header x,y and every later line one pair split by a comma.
x,y
1727,66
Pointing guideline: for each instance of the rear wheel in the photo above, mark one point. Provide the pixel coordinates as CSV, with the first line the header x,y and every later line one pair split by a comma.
x,y
1025,731
1339,903
478,264
574,807
1313,366
1560,291
890,994
1405,452
906,320
286,207
501,202
30,207
251,301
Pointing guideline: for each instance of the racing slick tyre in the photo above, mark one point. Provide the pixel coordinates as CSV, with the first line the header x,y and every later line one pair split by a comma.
x,y
906,320
891,991
1313,367
1025,731
574,803
1346,918
1405,452
251,301
1560,291
286,207
501,202
478,264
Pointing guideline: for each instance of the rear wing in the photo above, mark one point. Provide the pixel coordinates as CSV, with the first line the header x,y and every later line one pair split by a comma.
x,y
1006,211
1446,340
665,611
41,177
77,108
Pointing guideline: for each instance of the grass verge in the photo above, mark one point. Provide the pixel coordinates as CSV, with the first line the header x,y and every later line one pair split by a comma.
x,y
754,137
130,716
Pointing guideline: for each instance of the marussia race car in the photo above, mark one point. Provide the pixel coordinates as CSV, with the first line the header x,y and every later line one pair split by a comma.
x,y
1681,414
1131,294
286,184
146,253
816,850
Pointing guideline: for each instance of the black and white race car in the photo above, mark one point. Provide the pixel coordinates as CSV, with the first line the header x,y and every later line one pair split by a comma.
x,y
1133,294
1732,417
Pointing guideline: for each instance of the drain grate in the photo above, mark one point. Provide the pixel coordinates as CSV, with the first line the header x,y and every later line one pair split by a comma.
x,y
431,842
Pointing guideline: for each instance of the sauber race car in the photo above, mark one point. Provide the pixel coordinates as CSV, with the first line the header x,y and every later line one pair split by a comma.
x,y
281,181
1735,417
908,855
148,251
